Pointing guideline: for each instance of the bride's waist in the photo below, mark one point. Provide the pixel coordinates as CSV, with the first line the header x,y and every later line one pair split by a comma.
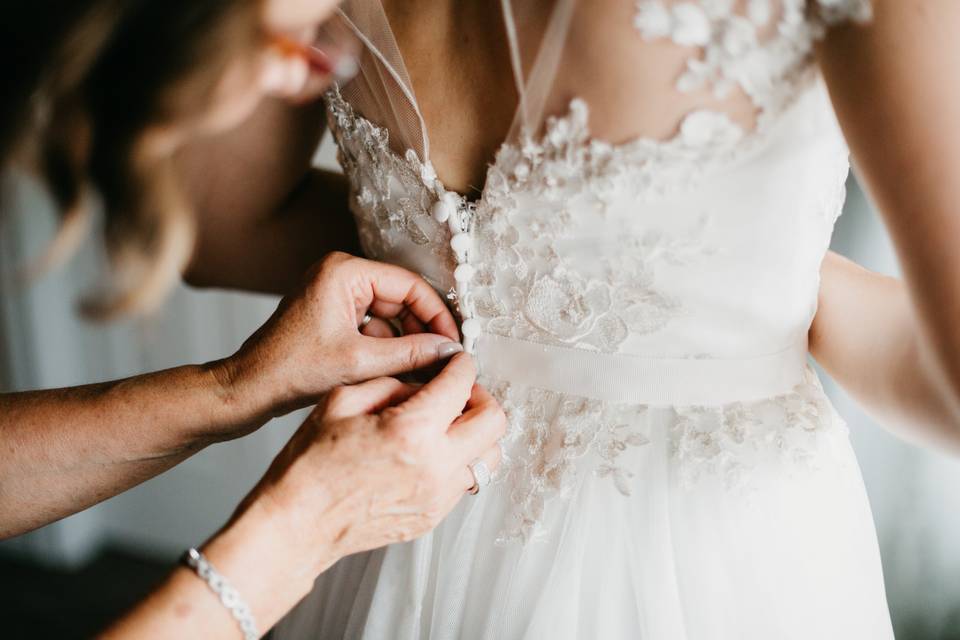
x,y
637,379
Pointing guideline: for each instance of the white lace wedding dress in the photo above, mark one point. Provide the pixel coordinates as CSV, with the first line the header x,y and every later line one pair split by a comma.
x,y
673,469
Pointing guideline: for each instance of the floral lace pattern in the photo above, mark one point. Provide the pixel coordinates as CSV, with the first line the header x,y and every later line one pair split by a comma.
x,y
550,433
725,443
388,190
763,47
550,300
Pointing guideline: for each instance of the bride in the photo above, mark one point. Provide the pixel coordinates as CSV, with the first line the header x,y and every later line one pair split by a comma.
x,y
629,204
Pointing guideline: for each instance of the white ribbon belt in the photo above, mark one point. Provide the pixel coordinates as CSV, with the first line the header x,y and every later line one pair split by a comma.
x,y
631,379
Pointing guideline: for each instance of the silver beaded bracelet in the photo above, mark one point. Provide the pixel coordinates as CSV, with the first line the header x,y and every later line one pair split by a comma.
x,y
229,596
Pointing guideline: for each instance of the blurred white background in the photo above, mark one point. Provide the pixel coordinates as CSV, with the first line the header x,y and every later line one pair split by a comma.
x,y
915,494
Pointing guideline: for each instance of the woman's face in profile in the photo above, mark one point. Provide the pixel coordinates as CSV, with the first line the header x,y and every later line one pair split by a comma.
x,y
304,39
293,16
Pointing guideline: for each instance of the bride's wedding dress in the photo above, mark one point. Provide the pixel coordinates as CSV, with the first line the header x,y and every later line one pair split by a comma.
x,y
673,469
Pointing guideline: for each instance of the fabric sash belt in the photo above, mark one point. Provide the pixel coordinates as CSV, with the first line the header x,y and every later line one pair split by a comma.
x,y
632,379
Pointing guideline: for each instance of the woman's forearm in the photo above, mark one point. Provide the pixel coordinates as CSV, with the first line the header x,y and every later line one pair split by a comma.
x,y
270,577
865,335
67,449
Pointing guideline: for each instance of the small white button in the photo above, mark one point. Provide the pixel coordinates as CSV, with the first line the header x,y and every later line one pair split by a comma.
x,y
471,329
441,211
454,223
464,273
460,244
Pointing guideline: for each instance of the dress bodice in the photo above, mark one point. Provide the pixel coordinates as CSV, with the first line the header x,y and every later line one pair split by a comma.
x,y
636,281
598,279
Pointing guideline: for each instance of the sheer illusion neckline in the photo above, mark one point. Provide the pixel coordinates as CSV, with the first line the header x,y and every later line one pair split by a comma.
x,y
706,133
531,92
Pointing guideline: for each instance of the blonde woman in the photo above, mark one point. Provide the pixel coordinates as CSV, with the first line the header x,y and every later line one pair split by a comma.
x,y
378,461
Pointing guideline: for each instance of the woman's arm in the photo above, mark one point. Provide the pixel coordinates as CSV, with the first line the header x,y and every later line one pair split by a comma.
x,y
865,335
894,84
265,215
67,449
64,450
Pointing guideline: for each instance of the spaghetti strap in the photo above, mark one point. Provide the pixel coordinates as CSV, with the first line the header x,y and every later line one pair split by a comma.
x,y
383,88
536,90
516,62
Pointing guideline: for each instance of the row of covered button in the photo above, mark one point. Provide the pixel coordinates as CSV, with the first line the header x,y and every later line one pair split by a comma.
x,y
450,208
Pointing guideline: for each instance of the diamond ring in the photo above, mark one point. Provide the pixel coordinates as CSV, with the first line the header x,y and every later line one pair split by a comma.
x,y
481,475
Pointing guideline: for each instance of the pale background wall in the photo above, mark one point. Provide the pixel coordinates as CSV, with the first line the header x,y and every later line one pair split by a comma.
x,y
915,494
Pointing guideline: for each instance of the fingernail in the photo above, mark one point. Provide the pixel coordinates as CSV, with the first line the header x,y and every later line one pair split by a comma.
x,y
448,349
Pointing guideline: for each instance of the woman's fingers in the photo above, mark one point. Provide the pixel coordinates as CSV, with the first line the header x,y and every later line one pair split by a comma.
x,y
443,399
481,425
393,356
369,397
395,288
378,328
491,457
411,324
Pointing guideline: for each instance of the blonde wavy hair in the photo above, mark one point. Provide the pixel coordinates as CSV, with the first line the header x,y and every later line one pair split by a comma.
x,y
93,82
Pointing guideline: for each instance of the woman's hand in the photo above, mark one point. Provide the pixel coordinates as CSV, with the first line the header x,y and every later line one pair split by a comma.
x,y
380,462
377,463
313,344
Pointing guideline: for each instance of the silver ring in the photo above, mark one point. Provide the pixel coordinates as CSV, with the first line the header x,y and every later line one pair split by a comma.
x,y
481,475
367,319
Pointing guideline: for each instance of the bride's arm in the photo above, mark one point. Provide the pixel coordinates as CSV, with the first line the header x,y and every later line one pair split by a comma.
x,y
265,215
865,335
895,84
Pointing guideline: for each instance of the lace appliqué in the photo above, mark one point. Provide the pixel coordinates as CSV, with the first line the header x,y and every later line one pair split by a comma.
x,y
727,443
765,48
549,434
551,302
553,439
388,192
567,158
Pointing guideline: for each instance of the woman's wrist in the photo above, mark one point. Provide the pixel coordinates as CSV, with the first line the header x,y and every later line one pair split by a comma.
x,y
244,402
253,558
254,552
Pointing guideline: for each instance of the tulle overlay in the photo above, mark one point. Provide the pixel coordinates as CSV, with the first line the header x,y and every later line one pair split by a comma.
x,y
673,469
